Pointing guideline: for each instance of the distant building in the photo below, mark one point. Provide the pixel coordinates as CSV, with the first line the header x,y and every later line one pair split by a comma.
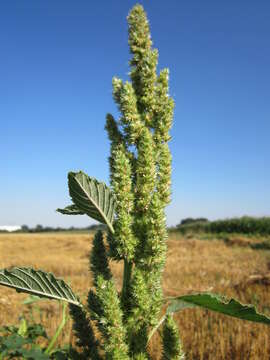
x,y
10,228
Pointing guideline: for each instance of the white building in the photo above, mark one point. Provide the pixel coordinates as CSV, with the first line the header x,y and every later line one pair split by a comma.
x,y
10,228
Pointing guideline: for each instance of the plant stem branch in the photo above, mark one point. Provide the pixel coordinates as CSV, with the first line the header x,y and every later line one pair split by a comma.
x,y
58,331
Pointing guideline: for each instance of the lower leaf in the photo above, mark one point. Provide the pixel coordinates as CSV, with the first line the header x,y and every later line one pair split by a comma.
x,y
219,304
39,283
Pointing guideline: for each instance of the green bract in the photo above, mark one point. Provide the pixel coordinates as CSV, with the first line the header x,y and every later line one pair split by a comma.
x,y
133,208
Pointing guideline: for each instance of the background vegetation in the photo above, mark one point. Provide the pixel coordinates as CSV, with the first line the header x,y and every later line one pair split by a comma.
x,y
243,225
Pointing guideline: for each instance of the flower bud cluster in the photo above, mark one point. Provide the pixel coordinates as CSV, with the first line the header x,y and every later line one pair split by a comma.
x,y
122,186
104,304
110,323
172,348
125,97
145,172
99,264
164,174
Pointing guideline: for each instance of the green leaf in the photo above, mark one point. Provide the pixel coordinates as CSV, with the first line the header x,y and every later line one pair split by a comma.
x,y
35,353
70,210
39,283
35,331
92,197
15,342
219,304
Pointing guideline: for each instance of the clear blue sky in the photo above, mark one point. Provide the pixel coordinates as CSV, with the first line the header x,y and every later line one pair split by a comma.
x,y
56,65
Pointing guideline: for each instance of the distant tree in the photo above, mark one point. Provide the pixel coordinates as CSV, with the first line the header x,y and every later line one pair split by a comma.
x,y
192,220
39,228
25,228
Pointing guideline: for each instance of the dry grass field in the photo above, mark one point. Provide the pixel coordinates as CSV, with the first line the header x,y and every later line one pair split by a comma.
x,y
192,265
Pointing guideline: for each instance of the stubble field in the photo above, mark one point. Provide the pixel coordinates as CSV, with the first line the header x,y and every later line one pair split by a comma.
x,y
192,265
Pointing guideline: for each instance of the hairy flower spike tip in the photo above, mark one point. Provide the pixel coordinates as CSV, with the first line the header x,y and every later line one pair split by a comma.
x,y
139,32
85,335
117,86
116,138
125,97
94,306
164,106
113,247
113,132
144,62
172,349
98,258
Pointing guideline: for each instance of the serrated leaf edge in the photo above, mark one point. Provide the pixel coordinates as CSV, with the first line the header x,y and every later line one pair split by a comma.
x,y
5,272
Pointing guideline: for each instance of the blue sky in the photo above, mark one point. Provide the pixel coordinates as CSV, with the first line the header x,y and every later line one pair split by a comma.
x,y
57,62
